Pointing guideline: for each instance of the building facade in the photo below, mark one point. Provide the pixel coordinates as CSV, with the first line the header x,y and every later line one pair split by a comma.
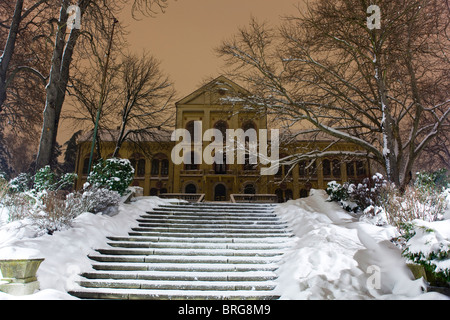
x,y
209,106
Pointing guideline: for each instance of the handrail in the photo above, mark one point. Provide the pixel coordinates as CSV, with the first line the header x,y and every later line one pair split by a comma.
x,y
259,198
190,197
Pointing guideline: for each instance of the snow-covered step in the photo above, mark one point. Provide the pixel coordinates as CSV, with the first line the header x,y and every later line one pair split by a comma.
x,y
273,222
218,218
138,238
196,245
216,234
209,230
192,251
187,259
210,225
143,294
180,266
182,275
178,285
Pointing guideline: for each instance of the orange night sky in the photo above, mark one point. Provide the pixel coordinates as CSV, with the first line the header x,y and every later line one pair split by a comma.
x,y
185,36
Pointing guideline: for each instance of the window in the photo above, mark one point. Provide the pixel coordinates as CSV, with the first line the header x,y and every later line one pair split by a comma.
x,y
155,167
326,164
222,126
190,161
141,168
249,189
247,165
221,168
361,169
165,167
336,168
247,125
351,169
160,165
190,188
190,128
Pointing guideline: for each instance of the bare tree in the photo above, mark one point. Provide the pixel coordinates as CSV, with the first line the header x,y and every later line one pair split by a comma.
x,y
146,100
327,71
96,13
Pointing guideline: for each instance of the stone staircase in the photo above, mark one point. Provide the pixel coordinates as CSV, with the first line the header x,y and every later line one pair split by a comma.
x,y
192,251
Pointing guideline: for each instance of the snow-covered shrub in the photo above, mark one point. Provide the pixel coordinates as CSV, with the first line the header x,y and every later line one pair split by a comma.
x,y
94,199
52,213
46,179
341,193
112,174
21,183
368,193
428,247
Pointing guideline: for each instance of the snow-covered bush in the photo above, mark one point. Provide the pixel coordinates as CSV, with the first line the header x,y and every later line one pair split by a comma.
x,y
430,248
52,213
94,199
341,193
21,183
112,174
46,179
369,192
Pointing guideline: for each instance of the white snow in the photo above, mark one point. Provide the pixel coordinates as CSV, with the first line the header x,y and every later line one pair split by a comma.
x,y
338,257
334,256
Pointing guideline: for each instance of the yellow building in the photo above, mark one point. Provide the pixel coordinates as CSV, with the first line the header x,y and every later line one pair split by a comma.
x,y
157,174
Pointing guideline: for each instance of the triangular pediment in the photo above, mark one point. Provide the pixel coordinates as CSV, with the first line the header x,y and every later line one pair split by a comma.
x,y
213,91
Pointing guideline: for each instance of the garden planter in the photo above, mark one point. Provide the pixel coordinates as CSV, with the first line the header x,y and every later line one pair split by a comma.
x,y
18,275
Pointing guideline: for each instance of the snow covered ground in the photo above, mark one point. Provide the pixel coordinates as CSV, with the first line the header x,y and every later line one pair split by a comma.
x,y
335,256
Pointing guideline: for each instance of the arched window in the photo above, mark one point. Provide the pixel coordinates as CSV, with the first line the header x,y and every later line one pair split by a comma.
x,y
303,193
249,189
222,126
220,192
247,125
190,188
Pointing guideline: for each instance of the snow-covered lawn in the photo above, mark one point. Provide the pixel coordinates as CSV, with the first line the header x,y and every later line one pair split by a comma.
x,y
335,256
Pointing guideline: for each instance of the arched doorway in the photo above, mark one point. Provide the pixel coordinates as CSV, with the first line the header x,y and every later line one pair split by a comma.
x,y
220,192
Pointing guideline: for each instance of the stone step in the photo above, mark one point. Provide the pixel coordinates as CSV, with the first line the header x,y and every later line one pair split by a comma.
x,y
212,221
197,245
281,239
210,226
208,234
180,266
143,294
209,230
192,252
219,207
182,275
214,212
211,218
179,285
187,259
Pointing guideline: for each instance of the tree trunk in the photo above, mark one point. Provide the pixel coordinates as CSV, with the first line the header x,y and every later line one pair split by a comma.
x,y
9,49
56,87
